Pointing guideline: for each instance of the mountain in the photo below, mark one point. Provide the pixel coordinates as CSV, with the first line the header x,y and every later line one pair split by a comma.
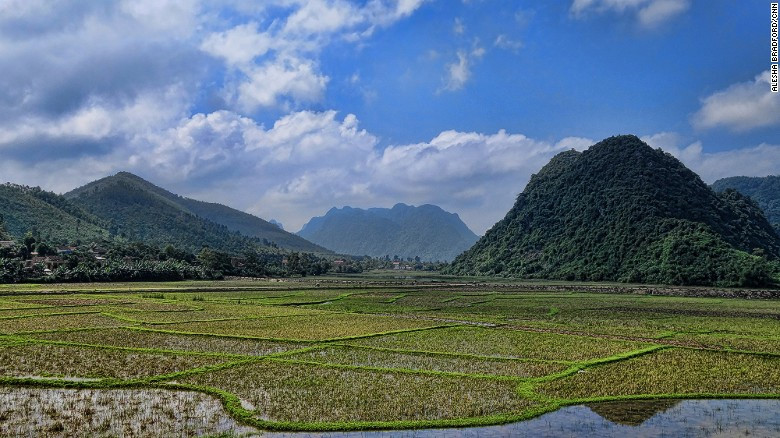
x,y
139,210
765,191
426,231
621,211
247,224
30,209
277,223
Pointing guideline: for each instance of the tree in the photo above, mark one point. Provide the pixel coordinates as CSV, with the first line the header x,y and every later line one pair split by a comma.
x,y
45,250
29,241
3,231
215,260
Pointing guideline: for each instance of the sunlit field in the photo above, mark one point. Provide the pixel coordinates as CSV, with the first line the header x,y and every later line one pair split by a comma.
x,y
363,353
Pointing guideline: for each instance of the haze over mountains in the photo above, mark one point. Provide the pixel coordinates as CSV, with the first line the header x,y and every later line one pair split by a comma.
x,y
621,211
405,231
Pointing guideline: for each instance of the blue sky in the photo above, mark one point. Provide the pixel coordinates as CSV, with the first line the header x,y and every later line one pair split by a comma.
x,y
285,108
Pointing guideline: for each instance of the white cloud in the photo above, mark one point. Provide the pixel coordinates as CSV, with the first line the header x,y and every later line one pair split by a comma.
x,y
310,161
760,160
458,28
741,107
293,78
239,45
457,73
648,13
504,42
659,11
278,62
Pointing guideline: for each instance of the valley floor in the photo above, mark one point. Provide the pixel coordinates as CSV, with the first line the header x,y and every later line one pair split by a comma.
x,y
370,352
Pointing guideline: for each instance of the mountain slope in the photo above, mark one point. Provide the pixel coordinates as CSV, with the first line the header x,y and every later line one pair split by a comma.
x,y
765,191
138,210
248,225
57,219
426,231
621,211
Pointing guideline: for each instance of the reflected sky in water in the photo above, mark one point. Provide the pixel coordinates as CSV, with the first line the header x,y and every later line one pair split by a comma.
x,y
664,418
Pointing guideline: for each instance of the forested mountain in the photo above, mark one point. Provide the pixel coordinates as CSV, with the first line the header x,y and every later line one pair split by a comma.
x,y
248,224
621,211
765,191
138,210
405,231
30,209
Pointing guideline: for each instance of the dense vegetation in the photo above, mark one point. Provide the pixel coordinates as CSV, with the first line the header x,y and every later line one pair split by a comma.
x,y
404,231
621,211
30,209
138,210
765,191
114,260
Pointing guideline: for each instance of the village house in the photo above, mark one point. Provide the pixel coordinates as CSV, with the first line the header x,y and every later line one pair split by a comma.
x,y
49,263
65,250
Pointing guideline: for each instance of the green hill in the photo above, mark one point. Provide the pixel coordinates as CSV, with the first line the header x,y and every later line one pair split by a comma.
x,y
765,191
137,209
406,231
249,225
30,209
621,211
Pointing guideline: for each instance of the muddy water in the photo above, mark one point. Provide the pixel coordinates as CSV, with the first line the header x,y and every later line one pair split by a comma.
x,y
35,412
663,418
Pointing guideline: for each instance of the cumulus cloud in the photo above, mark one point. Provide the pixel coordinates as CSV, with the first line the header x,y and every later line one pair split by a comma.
x,y
648,13
307,161
276,64
740,107
289,77
760,160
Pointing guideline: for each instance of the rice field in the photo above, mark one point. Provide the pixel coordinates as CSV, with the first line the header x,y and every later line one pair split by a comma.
x,y
235,357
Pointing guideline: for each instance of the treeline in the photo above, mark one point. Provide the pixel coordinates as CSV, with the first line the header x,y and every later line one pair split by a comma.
x,y
34,260
356,265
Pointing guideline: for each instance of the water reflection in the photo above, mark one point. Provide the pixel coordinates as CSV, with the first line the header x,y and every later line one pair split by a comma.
x,y
631,412
659,418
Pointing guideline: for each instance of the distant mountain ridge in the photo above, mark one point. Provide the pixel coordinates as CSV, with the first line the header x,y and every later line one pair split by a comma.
x,y
764,190
138,209
406,231
621,211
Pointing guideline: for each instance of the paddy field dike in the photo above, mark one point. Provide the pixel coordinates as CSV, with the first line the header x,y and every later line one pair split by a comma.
x,y
233,357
